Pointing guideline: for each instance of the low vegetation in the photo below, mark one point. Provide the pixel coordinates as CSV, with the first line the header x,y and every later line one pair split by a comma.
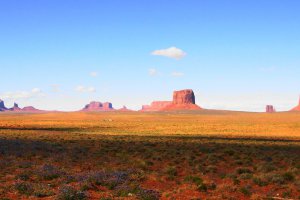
x,y
150,156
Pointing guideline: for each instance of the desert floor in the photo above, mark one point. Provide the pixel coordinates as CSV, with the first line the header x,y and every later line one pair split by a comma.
x,y
131,155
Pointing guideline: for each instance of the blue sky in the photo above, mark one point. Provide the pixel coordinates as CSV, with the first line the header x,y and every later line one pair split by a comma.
x,y
237,55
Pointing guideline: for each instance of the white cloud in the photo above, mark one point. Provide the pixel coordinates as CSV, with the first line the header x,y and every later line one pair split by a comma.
x,y
35,92
94,74
152,72
171,52
177,74
55,88
81,88
91,89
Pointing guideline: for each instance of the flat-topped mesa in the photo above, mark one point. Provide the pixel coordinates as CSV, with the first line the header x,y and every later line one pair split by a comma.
x,y
270,109
98,106
184,97
156,106
93,106
107,106
2,106
297,108
183,100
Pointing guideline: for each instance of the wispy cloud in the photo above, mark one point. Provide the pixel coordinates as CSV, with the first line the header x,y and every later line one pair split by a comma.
x,y
172,52
94,74
55,88
81,88
177,74
35,92
152,72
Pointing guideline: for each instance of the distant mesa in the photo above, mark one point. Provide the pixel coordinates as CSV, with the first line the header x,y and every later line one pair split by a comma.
x,y
270,109
184,97
31,109
98,106
182,100
124,109
156,106
16,108
297,108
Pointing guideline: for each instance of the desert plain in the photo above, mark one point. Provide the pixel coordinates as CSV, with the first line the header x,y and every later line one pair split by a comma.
x,y
202,154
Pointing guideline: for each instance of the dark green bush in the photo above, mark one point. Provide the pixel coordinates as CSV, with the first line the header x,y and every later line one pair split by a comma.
x,y
70,193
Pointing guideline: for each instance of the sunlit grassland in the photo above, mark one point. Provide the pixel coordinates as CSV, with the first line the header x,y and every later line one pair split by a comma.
x,y
206,123
116,155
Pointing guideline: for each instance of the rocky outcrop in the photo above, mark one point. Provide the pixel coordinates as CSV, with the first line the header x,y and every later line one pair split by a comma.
x,y
156,106
297,108
31,109
182,100
270,109
124,109
2,106
16,108
184,97
98,106
107,106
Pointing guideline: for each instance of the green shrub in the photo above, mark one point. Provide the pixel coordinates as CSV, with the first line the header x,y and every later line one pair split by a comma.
x,y
24,188
25,176
243,171
172,172
202,187
259,181
266,167
246,190
288,176
42,190
70,193
194,179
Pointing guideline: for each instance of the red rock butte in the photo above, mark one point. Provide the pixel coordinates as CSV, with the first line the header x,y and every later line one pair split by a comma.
x,y
297,108
182,100
98,106
16,108
2,106
270,109
124,109
156,105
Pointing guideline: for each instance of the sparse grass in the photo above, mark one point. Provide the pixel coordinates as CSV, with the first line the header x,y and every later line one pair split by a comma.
x,y
148,156
70,193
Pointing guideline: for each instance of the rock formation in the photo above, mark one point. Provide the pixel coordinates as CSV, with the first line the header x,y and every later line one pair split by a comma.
x,y
182,100
2,106
270,109
184,97
107,106
15,108
124,109
297,108
98,106
156,105
31,109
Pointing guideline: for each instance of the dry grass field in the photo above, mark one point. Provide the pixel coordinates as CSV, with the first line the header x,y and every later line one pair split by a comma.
x,y
130,155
